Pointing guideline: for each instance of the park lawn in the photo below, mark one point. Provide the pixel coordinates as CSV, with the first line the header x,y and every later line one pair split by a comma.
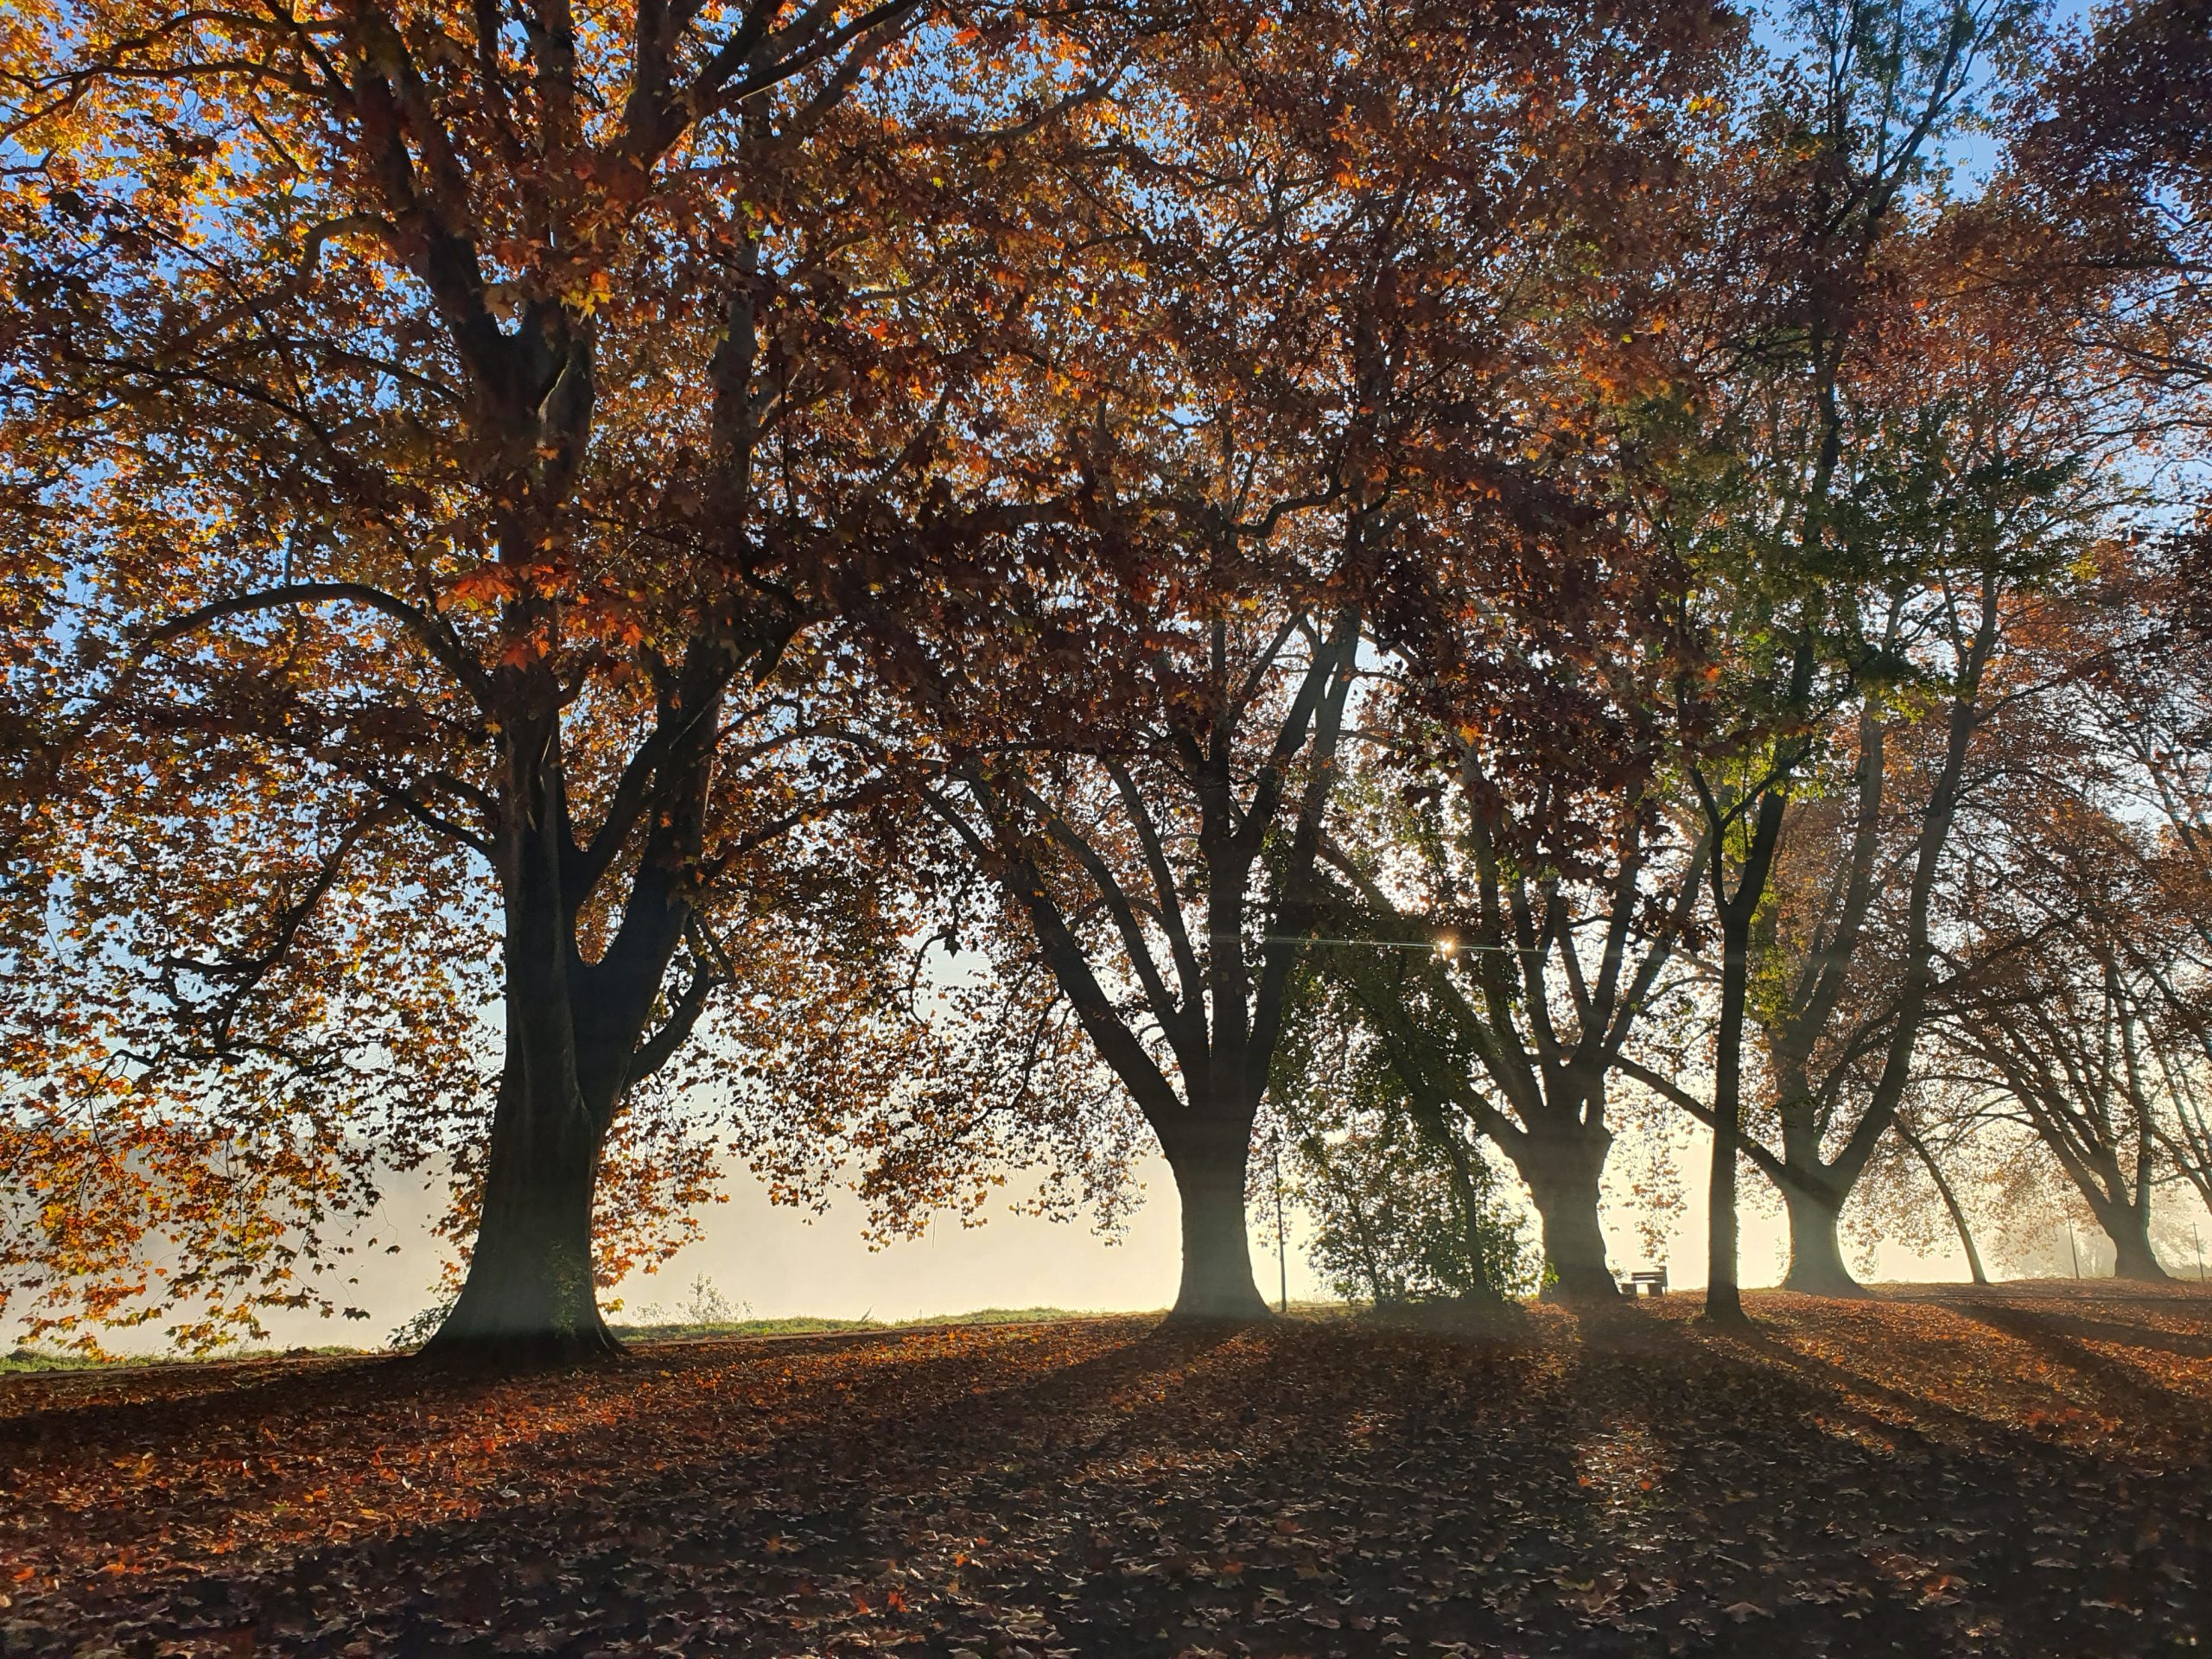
x,y
48,1360
2020,1470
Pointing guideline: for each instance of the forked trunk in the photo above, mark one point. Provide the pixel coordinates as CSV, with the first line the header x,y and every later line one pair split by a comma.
x,y
1816,1266
1217,1282
529,1300
1564,1186
580,1033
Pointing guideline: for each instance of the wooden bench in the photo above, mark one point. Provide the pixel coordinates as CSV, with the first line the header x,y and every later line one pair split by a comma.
x,y
1651,1283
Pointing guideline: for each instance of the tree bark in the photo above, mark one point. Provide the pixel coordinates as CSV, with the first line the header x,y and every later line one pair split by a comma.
x,y
572,1034
1816,1265
1217,1282
1563,1182
2133,1258
1950,1204
1723,1302
529,1298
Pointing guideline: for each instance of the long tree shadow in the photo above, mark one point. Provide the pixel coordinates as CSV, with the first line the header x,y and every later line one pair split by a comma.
x,y
1617,1486
1928,1525
2067,1342
802,1483
176,1404
2035,1323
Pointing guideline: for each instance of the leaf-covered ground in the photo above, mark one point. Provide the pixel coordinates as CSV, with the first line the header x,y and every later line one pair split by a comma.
x,y
2003,1472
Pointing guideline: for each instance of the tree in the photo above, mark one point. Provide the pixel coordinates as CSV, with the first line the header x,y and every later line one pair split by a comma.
x,y
2142,692
1961,506
1931,1159
1349,225
1751,497
2084,1012
2109,174
1079,845
434,442
1508,940
2067,1051
1405,1207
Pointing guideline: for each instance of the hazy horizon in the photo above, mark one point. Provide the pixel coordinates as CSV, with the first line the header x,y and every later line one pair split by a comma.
x,y
774,1262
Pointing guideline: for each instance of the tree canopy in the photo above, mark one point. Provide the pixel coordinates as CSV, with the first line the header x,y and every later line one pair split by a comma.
x,y
902,592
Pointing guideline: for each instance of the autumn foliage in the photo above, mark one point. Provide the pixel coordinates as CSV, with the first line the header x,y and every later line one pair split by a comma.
x,y
931,595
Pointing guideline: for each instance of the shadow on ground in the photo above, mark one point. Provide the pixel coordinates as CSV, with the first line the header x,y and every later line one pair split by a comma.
x,y
1985,1474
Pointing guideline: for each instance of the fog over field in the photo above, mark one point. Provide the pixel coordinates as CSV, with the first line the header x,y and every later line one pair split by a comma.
x,y
778,1262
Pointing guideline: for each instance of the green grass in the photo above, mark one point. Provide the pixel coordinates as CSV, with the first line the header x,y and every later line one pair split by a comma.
x,y
38,1359
807,1325
25,1360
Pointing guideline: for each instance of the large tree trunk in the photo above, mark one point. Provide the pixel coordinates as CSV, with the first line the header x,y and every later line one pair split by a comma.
x,y
1217,1282
1816,1266
1563,1181
529,1298
2133,1258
